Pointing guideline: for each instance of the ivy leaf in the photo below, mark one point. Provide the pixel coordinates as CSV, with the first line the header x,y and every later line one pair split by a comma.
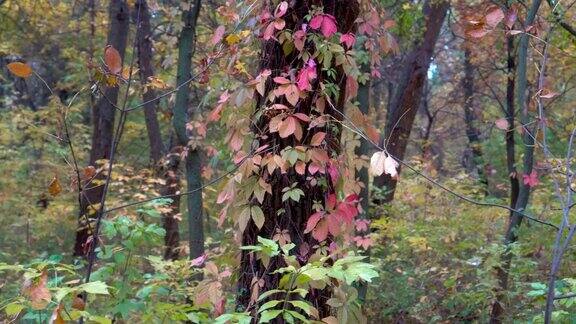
x,y
377,163
20,69
244,218
257,216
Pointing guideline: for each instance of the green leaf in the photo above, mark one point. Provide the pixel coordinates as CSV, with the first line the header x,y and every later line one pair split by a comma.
x,y
270,292
267,305
269,315
257,216
95,287
307,308
13,309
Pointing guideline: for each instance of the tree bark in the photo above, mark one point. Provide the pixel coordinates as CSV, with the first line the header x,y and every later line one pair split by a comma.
x,y
296,214
164,166
144,46
516,218
472,132
103,116
181,117
406,100
362,175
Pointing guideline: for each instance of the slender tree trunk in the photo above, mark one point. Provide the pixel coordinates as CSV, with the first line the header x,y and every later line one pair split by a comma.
x,y
144,44
294,215
166,168
181,117
528,163
406,100
362,175
472,132
103,116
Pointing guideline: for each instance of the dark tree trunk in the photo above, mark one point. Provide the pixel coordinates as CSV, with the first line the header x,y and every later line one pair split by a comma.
x,y
166,168
296,214
472,132
406,99
103,115
181,117
144,46
516,218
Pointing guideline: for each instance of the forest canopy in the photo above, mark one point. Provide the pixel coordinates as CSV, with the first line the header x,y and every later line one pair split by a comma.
x,y
287,161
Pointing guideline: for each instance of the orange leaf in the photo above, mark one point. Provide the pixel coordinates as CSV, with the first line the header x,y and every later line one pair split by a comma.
x,y
112,59
20,69
54,188
39,294
78,303
56,317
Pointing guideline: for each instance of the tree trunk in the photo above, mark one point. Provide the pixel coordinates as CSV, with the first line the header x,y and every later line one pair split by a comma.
x,y
472,132
181,117
362,175
288,215
144,44
103,115
406,99
528,163
166,168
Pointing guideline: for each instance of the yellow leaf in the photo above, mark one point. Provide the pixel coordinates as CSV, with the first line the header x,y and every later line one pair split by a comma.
x,y
54,188
20,69
232,39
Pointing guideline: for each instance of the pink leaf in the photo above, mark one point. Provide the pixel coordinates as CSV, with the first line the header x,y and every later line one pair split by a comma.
x,y
281,9
287,127
316,22
312,221
531,180
317,139
502,123
320,232
348,40
198,261
306,74
494,17
299,39
328,26
218,35
511,17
